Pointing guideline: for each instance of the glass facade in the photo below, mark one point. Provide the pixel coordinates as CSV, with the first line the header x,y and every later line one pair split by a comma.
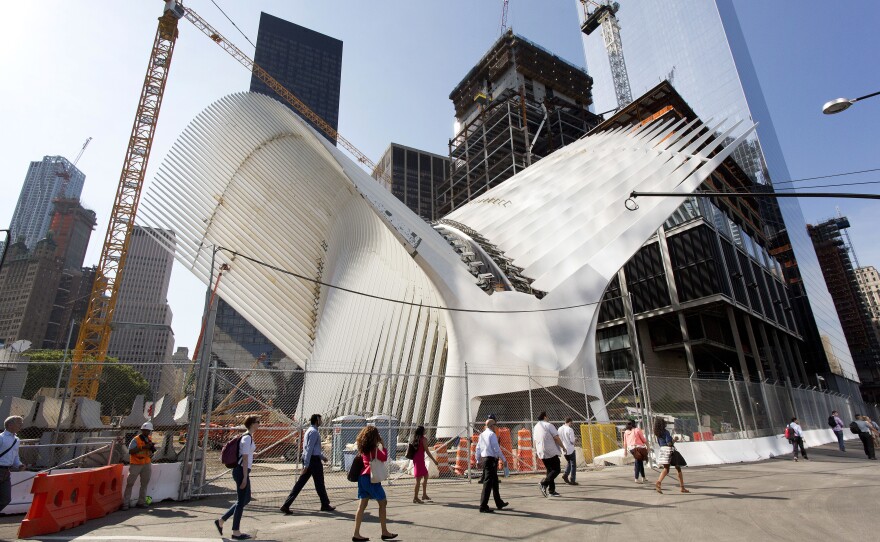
x,y
305,62
699,47
411,175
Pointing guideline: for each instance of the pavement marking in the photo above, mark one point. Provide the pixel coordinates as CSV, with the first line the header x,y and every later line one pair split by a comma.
x,y
135,537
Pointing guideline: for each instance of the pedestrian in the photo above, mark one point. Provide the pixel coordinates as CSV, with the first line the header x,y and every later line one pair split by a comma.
x,y
488,454
313,467
548,446
372,448
797,439
566,435
837,426
669,456
875,430
241,474
140,453
635,443
9,459
420,468
864,432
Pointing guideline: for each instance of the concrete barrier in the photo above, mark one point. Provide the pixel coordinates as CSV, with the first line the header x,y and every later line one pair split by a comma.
x,y
47,410
88,414
16,406
136,416
163,412
164,484
181,413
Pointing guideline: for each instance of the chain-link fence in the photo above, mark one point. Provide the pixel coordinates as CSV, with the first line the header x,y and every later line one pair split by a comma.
x,y
66,431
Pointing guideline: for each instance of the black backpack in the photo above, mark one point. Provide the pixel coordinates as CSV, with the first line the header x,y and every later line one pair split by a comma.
x,y
832,422
854,427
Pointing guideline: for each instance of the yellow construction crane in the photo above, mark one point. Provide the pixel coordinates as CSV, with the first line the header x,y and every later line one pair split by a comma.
x,y
94,332
94,335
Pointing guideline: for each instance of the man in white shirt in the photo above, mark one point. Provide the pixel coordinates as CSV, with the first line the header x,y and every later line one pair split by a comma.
x,y
9,460
798,439
487,456
548,447
566,435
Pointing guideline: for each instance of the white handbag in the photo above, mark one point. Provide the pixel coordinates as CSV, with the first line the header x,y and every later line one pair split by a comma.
x,y
664,455
378,471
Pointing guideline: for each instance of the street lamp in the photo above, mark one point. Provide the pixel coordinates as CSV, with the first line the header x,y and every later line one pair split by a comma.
x,y
842,104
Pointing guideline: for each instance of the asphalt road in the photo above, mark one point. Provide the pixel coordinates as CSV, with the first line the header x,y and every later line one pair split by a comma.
x,y
832,497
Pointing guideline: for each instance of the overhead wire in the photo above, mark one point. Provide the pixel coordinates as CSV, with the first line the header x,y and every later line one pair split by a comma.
x,y
233,24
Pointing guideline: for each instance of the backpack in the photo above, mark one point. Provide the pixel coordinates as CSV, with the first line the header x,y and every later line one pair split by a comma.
x,y
229,455
832,422
854,427
789,433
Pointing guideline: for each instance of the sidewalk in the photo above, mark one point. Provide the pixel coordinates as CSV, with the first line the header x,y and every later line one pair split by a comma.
x,y
777,499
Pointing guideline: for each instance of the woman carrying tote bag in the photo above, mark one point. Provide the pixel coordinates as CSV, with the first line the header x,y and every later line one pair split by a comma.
x,y
373,454
668,456
635,443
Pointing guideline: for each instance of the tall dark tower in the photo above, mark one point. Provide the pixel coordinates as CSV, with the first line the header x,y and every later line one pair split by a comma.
x,y
307,63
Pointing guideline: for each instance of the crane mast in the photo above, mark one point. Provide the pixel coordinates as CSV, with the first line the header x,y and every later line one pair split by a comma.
x,y
94,334
605,15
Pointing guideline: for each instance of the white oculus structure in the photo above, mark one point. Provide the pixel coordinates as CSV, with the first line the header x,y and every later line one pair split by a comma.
x,y
249,175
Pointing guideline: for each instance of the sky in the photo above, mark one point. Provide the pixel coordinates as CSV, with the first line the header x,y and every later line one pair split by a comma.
x,y
73,71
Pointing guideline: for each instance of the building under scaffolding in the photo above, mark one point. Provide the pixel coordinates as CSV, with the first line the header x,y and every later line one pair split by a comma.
x,y
517,105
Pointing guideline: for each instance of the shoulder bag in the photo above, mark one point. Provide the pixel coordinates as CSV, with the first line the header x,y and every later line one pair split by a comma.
x,y
378,471
357,467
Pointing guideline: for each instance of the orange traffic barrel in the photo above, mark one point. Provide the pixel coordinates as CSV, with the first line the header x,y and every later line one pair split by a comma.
x,y
461,459
506,444
441,453
524,453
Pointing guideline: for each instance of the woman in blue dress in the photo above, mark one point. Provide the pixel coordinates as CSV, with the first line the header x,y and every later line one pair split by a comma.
x,y
370,445
664,439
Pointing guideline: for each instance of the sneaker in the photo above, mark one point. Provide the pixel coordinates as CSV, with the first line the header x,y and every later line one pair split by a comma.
x,y
573,483
554,494
565,479
795,459
503,505
543,489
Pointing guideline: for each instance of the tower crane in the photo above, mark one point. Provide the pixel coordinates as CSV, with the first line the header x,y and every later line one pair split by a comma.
x,y
504,16
65,173
605,15
94,332
94,336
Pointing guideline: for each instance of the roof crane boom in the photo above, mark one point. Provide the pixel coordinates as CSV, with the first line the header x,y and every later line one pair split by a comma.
x,y
94,333
504,16
65,173
605,15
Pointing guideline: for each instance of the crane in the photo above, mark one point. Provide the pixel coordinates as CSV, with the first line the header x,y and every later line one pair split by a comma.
x,y
65,173
504,16
94,332
94,336
605,15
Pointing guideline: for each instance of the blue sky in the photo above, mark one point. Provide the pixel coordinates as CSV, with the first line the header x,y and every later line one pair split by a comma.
x,y
73,69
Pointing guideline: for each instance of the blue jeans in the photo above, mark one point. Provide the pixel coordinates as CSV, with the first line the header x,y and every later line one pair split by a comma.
x,y
244,497
839,435
570,467
639,468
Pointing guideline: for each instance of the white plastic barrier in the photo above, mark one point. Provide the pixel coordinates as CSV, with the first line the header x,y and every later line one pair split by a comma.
x,y
716,452
164,484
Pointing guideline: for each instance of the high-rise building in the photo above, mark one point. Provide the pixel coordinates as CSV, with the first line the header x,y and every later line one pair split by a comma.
x,y
413,175
71,229
309,64
518,104
833,252
142,335
869,284
51,178
699,47
28,283
305,62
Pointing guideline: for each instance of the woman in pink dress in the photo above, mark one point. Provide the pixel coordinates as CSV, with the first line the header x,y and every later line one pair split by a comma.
x,y
420,468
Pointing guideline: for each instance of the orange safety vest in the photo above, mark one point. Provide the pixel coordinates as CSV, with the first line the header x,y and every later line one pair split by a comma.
x,y
142,455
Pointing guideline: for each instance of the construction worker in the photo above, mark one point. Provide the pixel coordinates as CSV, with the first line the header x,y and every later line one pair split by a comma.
x,y
140,452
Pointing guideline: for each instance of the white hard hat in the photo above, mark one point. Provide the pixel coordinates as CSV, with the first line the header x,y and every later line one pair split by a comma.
x,y
148,426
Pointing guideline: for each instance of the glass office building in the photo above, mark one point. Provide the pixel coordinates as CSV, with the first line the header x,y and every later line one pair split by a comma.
x,y
699,47
411,175
305,62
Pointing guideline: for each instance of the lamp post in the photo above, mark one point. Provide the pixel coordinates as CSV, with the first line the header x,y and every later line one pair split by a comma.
x,y
842,104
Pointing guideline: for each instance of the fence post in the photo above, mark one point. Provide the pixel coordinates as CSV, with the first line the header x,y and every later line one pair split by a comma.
x,y
209,404
696,408
468,429
589,417
532,421
736,406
